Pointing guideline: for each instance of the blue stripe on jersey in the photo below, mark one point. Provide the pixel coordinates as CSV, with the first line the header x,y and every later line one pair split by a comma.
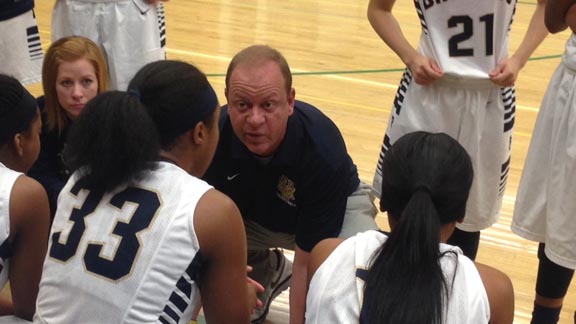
x,y
6,250
13,8
180,298
504,177
509,98
179,302
421,16
512,16
34,45
184,286
385,147
401,92
362,274
161,24
170,312
398,102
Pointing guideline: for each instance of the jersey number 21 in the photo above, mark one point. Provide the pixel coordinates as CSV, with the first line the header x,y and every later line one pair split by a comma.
x,y
467,23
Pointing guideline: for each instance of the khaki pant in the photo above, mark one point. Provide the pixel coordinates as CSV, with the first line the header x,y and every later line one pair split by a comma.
x,y
359,217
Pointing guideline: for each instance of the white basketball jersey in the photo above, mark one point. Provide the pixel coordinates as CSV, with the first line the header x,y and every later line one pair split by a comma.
x,y
128,256
7,179
336,290
569,57
466,37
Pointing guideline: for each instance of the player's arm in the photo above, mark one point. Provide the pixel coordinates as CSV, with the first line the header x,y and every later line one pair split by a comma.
x,y
555,16
425,70
320,253
506,71
298,286
29,228
322,207
226,295
500,294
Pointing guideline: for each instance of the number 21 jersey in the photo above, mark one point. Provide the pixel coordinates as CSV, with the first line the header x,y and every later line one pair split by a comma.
x,y
466,37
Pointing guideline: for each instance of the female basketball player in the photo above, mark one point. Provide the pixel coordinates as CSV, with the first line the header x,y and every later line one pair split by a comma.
x,y
24,212
410,275
460,82
545,205
73,73
138,237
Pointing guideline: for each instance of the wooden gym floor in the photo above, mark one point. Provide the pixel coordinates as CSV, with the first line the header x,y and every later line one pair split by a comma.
x,y
342,67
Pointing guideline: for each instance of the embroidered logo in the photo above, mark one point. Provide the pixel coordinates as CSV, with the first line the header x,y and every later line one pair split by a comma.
x,y
230,178
286,190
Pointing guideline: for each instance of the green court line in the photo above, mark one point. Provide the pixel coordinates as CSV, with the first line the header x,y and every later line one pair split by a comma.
x,y
349,72
537,58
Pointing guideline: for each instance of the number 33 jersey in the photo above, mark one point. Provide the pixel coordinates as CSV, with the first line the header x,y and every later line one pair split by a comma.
x,y
466,37
126,256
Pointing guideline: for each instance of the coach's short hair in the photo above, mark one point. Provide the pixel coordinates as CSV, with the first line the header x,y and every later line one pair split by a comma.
x,y
258,54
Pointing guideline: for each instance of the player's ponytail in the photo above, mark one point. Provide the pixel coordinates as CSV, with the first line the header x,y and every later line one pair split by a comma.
x,y
426,181
111,141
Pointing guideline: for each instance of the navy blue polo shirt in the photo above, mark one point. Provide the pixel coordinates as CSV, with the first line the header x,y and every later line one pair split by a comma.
x,y
12,8
302,189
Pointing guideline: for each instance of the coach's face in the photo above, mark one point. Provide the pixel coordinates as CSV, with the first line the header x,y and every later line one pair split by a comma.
x,y
76,84
259,106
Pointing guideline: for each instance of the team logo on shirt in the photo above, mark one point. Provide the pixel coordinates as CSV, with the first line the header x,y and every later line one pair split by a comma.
x,y
286,190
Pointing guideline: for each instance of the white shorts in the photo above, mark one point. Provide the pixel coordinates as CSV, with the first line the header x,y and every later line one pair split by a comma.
x,y
24,58
129,32
11,319
479,115
545,208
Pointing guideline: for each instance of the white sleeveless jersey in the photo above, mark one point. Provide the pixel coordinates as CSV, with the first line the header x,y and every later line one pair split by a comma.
x,y
466,37
336,290
128,256
544,208
569,57
7,179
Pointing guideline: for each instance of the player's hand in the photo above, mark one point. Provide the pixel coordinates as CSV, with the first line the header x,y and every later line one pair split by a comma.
x,y
425,70
153,2
253,289
506,72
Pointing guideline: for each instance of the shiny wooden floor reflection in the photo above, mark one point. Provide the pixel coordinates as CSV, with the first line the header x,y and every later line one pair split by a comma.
x,y
342,67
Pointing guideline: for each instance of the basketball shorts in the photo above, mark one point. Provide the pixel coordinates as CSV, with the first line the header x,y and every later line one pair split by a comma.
x,y
23,60
479,115
129,32
545,209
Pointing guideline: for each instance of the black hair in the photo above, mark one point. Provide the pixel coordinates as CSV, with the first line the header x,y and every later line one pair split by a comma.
x,y
426,179
177,96
18,108
112,141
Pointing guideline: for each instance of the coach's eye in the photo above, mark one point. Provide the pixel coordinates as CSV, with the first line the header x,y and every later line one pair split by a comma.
x,y
66,83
